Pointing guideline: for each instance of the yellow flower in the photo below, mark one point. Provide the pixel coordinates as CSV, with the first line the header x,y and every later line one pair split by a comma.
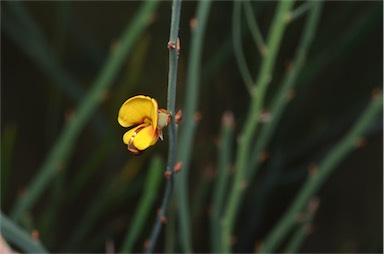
x,y
142,112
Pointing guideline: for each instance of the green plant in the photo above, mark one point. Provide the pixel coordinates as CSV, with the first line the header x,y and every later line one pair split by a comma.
x,y
276,116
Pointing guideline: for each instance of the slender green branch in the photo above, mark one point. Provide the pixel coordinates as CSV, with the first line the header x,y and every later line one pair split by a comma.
x,y
19,237
171,101
289,81
222,54
245,140
62,148
255,31
151,188
238,46
222,173
304,229
321,174
189,124
299,11
281,99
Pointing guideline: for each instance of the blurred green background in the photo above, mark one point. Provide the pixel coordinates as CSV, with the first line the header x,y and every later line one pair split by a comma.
x,y
51,55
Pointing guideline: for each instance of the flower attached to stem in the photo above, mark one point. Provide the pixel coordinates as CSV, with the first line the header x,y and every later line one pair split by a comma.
x,y
142,113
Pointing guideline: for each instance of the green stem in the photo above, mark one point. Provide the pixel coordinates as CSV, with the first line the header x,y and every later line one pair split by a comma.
x,y
222,173
61,150
304,229
222,54
171,101
299,11
245,140
144,207
255,31
238,46
323,171
189,124
280,100
19,237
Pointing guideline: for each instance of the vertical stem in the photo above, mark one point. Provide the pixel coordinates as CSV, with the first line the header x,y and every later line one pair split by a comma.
x,y
279,100
189,124
171,101
151,188
222,177
173,57
255,30
245,140
238,46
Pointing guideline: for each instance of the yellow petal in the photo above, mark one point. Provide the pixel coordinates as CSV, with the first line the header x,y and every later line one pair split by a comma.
x,y
132,133
140,137
137,110
145,137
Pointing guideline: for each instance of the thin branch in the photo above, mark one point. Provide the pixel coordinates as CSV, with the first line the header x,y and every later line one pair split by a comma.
x,y
250,126
238,46
189,125
222,179
171,101
255,30
304,230
299,11
280,100
321,172
151,188
14,234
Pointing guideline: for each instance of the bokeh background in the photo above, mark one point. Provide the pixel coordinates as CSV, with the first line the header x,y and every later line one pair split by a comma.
x,y
51,55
